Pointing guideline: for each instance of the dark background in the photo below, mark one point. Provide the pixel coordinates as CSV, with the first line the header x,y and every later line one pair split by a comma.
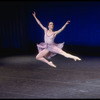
x,y
19,32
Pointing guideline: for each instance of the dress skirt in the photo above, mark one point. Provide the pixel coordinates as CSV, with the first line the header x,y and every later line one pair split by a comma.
x,y
50,47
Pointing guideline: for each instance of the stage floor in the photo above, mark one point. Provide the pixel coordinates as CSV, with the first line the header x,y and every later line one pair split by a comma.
x,y
22,76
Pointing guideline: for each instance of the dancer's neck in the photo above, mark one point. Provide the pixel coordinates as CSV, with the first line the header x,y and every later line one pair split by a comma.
x,y
50,30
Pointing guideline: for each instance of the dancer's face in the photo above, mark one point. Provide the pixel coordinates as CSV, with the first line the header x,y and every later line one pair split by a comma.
x,y
51,25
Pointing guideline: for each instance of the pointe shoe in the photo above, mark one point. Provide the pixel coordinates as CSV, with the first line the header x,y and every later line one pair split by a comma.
x,y
77,59
51,64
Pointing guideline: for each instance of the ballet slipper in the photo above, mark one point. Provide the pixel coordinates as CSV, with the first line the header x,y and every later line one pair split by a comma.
x,y
76,58
51,64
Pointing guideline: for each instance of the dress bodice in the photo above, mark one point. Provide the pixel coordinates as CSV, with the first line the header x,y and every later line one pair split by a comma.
x,y
49,39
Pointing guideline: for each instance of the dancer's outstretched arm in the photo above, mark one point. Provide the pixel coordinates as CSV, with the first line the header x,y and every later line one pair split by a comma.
x,y
60,30
34,15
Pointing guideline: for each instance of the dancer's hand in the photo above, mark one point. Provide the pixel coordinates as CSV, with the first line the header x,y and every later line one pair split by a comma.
x,y
68,22
34,14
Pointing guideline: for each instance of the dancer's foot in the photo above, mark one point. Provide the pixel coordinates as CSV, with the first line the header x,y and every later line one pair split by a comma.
x,y
76,58
51,64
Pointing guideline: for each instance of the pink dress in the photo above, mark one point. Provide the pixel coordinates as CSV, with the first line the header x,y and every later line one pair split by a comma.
x,y
50,45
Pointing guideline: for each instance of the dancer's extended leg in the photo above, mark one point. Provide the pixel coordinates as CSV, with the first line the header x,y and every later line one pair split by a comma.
x,y
67,55
41,55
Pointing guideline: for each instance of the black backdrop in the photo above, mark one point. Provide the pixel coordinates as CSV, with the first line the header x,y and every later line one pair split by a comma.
x,y
19,32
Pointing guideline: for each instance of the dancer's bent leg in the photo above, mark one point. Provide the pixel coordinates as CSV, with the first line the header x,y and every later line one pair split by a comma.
x,y
41,55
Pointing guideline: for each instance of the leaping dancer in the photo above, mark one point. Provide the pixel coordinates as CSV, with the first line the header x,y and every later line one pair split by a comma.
x,y
49,48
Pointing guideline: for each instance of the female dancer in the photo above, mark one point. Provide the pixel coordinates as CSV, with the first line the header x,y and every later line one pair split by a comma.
x,y
49,48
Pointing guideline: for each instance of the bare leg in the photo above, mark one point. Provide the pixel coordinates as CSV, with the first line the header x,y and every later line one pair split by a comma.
x,y
67,55
41,55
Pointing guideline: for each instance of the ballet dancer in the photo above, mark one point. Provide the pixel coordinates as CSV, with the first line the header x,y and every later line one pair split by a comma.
x,y
49,48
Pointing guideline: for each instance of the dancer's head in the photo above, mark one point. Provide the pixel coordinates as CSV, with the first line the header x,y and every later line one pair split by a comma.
x,y
50,25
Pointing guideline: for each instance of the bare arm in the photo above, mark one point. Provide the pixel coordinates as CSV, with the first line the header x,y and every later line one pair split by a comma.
x,y
60,30
34,15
